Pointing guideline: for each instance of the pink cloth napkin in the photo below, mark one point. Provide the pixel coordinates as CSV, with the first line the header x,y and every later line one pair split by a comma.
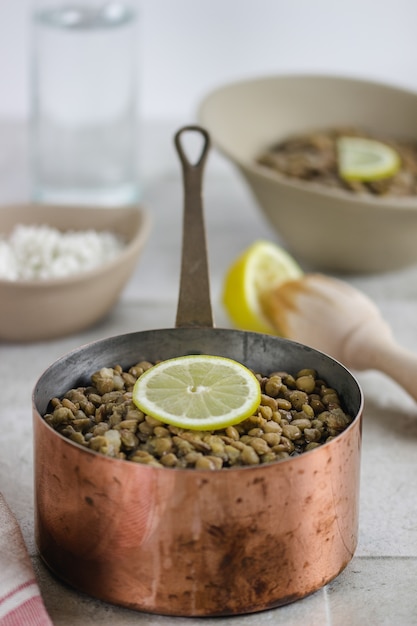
x,y
20,599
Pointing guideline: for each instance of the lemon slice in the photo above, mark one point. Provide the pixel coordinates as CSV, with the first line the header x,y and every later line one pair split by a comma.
x,y
198,392
259,269
366,159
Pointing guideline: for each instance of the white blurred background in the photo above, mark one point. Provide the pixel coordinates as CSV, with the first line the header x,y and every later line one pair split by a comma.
x,y
190,46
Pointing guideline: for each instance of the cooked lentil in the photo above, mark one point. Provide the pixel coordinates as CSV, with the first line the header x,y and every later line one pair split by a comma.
x,y
294,416
312,157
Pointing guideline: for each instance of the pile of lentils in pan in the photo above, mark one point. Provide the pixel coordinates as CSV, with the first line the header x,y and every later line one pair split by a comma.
x,y
313,157
297,414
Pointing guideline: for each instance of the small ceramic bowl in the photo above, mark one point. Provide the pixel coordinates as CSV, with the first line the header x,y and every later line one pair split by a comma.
x,y
326,228
34,310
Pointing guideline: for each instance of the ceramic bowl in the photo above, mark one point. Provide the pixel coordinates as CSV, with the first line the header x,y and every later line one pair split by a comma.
x,y
325,228
34,310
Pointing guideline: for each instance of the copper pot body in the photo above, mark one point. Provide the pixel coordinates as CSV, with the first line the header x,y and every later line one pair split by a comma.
x,y
194,542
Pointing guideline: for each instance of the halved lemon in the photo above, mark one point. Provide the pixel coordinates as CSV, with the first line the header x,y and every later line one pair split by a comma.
x,y
366,159
198,392
260,268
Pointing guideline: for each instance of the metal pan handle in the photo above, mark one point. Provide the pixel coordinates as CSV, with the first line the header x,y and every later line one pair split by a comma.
x,y
194,307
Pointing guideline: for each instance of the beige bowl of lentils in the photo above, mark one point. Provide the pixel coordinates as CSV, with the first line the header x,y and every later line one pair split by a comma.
x,y
326,225
63,268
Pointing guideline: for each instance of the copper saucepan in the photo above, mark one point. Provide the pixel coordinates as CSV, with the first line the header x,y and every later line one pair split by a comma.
x,y
194,542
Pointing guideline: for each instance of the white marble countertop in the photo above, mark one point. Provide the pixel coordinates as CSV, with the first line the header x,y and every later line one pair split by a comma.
x,y
379,586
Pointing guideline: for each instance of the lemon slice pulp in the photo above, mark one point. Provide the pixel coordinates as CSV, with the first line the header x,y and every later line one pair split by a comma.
x,y
198,392
366,159
261,267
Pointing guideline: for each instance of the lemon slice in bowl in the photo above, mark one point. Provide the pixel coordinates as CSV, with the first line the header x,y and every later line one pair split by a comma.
x,y
198,392
366,159
260,268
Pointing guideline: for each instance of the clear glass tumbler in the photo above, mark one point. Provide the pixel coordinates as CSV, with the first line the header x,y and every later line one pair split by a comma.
x,y
84,110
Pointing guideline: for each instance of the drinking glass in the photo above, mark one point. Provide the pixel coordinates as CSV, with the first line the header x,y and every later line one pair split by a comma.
x,y
84,109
